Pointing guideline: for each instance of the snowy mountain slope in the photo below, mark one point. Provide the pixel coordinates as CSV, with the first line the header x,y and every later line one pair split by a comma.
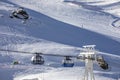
x,y
55,34
61,74
80,16
66,34
109,6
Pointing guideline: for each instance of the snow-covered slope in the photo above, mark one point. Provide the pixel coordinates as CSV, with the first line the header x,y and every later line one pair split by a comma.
x,y
58,27
57,31
79,14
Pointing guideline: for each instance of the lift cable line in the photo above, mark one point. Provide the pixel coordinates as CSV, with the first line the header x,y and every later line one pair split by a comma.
x,y
87,53
15,51
48,54
38,58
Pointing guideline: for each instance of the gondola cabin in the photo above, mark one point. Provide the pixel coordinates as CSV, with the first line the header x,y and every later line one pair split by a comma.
x,y
103,64
37,59
67,62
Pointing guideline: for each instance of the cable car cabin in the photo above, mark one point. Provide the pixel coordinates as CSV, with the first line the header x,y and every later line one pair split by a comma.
x,y
103,64
67,62
37,59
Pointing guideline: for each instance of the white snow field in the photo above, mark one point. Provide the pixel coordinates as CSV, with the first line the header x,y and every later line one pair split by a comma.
x,y
59,27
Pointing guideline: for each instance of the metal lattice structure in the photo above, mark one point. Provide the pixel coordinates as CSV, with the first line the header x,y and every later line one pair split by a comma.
x,y
88,56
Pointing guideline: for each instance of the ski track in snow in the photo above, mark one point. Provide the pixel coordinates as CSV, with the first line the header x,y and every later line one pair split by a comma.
x,y
116,23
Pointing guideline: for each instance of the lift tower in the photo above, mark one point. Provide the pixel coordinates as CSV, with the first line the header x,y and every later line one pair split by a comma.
x,y
88,55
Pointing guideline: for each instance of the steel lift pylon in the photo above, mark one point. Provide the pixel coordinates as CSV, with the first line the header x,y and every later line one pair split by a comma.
x,y
88,56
